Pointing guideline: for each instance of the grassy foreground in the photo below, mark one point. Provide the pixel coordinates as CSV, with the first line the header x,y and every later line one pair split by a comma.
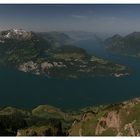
x,y
121,119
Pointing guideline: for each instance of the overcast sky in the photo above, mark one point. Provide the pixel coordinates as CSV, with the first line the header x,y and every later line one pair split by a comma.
x,y
96,18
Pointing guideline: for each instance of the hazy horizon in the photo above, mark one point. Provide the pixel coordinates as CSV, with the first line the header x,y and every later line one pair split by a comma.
x,y
97,18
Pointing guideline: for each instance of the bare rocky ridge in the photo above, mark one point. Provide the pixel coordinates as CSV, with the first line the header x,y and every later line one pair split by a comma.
x,y
109,120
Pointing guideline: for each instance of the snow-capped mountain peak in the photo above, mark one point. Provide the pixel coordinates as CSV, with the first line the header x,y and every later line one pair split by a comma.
x,y
19,31
19,34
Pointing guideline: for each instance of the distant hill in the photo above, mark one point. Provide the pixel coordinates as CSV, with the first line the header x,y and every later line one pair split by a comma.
x,y
89,41
128,45
82,35
56,38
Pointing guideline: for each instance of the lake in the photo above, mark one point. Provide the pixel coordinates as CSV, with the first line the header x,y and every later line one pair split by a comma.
x,y
25,90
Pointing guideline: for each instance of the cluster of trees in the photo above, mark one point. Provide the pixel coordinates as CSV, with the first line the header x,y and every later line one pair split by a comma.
x,y
9,124
30,125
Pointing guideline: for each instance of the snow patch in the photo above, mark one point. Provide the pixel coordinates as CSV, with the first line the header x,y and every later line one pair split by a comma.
x,y
8,35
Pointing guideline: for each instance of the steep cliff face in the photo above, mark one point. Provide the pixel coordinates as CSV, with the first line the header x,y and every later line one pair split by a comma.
x,y
109,120
115,120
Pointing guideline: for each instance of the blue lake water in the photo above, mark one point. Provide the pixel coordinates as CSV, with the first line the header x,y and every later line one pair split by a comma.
x,y
26,90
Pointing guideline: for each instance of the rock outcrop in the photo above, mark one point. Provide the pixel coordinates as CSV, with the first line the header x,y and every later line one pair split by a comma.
x,y
109,120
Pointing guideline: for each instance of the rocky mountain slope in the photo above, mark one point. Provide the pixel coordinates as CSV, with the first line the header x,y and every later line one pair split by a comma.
x,y
18,34
128,45
39,54
122,119
115,120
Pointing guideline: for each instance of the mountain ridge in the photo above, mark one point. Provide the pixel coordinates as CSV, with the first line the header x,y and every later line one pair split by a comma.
x,y
127,45
16,34
30,52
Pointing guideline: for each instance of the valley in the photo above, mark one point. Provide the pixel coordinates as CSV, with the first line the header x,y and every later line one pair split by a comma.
x,y
69,70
